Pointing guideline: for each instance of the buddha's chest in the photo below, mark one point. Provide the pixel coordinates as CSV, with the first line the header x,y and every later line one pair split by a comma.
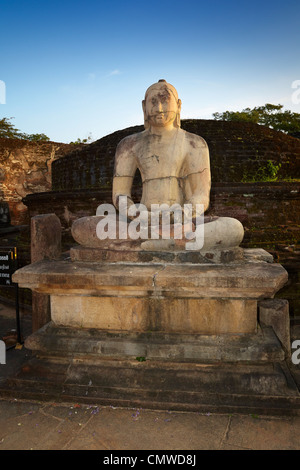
x,y
159,160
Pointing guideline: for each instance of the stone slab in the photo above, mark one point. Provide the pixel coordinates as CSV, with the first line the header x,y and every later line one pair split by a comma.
x,y
50,340
140,314
180,298
275,313
81,253
45,244
45,237
224,387
258,254
246,280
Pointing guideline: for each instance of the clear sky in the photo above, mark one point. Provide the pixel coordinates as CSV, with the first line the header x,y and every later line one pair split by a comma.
x,y
72,68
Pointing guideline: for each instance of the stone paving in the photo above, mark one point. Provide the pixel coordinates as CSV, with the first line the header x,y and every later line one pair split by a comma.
x,y
28,425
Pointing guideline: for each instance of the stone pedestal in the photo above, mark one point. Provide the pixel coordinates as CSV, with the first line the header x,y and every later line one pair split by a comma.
x,y
164,335
186,298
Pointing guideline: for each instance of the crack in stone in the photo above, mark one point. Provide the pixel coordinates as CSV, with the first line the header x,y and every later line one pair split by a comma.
x,y
154,276
226,433
162,177
176,177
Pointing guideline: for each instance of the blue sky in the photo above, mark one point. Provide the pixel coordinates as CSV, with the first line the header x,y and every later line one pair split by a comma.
x,y
72,68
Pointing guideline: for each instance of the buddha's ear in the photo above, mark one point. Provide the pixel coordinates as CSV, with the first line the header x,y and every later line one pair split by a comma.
x,y
178,113
146,125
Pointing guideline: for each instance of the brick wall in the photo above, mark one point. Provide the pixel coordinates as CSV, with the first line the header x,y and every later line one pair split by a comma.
x,y
25,168
238,152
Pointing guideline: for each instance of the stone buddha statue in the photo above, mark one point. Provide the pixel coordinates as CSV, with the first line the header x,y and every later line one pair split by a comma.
x,y
175,170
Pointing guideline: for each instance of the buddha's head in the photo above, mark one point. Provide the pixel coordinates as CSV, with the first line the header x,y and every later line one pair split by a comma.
x,y
161,105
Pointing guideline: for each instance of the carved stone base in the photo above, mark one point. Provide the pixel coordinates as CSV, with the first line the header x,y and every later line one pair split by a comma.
x,y
223,387
166,297
124,254
160,335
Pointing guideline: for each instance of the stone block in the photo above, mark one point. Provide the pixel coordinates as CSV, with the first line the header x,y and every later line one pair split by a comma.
x,y
262,346
132,254
45,237
173,298
45,244
169,315
275,313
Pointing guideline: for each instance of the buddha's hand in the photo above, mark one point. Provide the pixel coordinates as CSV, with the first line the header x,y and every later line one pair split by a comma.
x,y
123,204
192,209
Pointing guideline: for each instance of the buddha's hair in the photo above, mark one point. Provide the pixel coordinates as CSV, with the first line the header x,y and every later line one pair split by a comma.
x,y
160,85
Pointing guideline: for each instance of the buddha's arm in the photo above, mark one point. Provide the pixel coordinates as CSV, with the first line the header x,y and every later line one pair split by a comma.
x,y
196,176
124,171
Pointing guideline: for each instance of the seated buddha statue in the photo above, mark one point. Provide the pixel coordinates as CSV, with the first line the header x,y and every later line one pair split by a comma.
x,y
175,170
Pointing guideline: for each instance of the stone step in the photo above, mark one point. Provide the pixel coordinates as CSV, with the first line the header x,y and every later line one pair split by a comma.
x,y
225,387
262,346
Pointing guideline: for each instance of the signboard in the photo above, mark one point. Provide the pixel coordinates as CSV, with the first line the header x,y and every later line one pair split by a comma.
x,y
8,265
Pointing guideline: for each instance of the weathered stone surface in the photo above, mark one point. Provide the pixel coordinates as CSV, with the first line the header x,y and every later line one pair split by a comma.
x,y
258,254
45,244
170,315
45,237
264,388
243,281
82,253
262,346
275,313
41,312
25,169
208,299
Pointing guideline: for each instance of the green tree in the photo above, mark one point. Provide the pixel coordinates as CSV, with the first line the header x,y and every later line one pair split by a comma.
x,y
270,115
88,140
36,137
8,131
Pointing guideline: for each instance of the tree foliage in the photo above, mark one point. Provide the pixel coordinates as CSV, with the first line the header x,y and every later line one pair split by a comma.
x,y
270,115
87,140
8,130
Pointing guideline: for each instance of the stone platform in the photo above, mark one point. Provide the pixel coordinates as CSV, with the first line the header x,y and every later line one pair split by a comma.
x,y
170,298
104,371
130,251
162,335
53,340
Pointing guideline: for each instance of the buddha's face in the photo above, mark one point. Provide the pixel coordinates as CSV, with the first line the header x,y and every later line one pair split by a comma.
x,y
161,107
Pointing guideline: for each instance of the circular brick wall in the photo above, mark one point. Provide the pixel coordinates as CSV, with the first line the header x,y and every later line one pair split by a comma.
x,y
238,152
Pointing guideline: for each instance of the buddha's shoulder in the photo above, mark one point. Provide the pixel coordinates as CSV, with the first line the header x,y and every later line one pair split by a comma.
x,y
130,141
194,140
